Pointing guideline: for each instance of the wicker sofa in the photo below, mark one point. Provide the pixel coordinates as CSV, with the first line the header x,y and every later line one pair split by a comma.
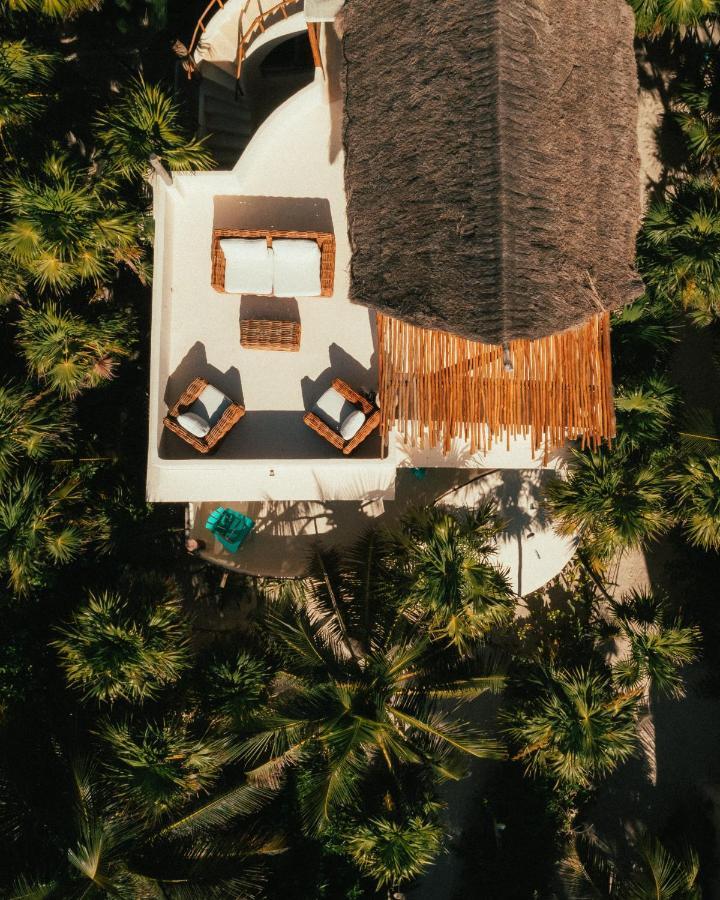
x,y
227,416
325,241
331,432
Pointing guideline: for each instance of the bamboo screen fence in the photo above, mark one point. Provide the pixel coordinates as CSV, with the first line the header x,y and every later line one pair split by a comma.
x,y
435,386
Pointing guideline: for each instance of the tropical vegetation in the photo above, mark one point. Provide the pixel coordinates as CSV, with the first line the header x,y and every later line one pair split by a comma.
x,y
153,743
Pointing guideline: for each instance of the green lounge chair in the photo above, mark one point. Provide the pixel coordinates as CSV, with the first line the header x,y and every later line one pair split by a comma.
x,y
229,527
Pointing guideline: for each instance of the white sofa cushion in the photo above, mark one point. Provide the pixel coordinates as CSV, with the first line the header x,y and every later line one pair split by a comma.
x,y
248,266
333,408
352,424
194,423
210,405
296,268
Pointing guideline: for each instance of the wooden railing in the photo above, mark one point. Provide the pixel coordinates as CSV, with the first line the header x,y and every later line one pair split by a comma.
x,y
247,32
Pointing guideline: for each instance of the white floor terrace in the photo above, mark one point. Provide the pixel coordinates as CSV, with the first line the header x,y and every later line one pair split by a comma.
x,y
293,161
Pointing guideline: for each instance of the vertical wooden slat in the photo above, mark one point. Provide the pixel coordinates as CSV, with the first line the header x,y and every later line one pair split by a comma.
x,y
435,386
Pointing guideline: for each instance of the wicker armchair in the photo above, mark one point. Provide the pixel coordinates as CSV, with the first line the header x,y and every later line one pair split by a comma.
x,y
330,434
325,241
232,414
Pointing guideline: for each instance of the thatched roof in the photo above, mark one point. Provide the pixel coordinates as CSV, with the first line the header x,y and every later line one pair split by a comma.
x,y
492,172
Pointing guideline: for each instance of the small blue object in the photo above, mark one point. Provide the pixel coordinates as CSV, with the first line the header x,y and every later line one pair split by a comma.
x,y
229,527
419,473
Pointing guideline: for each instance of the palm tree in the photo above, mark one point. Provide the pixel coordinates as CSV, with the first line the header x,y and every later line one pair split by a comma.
x,y
698,114
395,852
652,17
575,729
679,249
70,353
594,870
94,849
53,9
658,642
145,121
44,525
156,767
114,650
644,412
449,582
614,505
359,686
24,74
643,333
235,686
33,426
697,487
63,228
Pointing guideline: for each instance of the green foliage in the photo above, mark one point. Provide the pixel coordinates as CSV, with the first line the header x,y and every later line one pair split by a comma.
x,y
595,869
393,853
658,642
64,227
52,9
142,122
679,249
70,353
450,583
697,111
236,686
33,426
697,485
575,729
360,687
644,413
614,505
117,650
652,17
24,74
643,334
43,525
155,767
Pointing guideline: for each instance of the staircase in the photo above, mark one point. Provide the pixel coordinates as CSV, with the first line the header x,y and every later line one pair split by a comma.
x,y
224,118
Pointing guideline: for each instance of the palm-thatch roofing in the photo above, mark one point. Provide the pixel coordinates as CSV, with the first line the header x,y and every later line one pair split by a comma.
x,y
492,173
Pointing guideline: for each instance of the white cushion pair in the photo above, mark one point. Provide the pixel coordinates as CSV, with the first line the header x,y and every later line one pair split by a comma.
x,y
339,414
291,268
204,412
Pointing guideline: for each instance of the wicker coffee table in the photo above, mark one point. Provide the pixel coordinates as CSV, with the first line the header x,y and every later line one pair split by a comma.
x,y
269,334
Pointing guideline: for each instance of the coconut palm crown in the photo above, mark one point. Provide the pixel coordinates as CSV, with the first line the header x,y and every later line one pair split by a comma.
x,y
61,228
659,643
70,353
697,486
33,426
114,650
24,72
575,729
360,686
143,122
449,580
679,249
613,505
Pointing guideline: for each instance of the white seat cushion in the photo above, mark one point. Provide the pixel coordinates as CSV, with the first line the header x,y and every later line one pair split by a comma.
x,y
352,424
333,408
248,266
296,268
210,405
194,423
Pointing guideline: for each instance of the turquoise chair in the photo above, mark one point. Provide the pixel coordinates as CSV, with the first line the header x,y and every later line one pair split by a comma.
x,y
229,527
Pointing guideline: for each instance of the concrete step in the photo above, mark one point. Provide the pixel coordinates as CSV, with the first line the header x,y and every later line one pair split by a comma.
x,y
227,140
228,109
217,123
218,75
